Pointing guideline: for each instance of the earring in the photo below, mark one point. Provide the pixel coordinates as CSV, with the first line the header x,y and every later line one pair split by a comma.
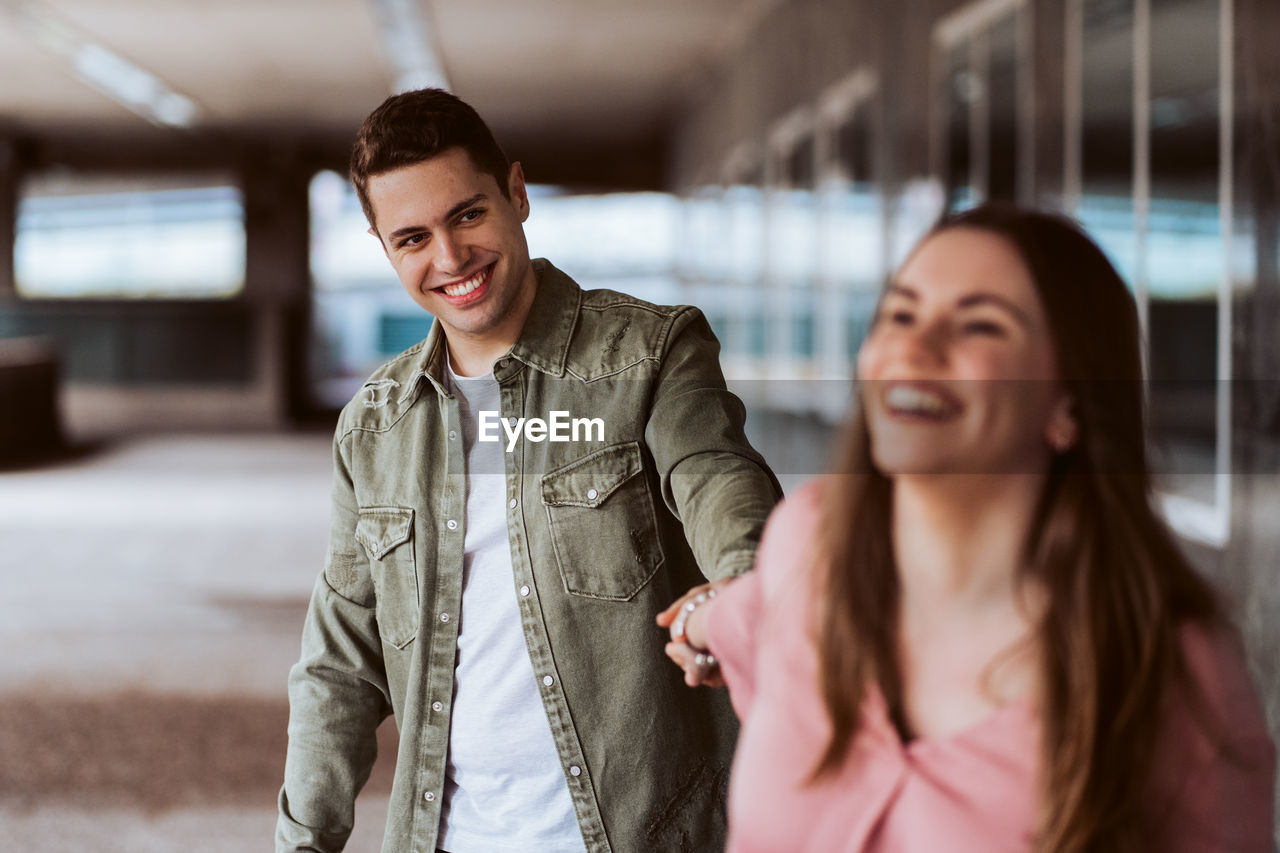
x,y
1061,441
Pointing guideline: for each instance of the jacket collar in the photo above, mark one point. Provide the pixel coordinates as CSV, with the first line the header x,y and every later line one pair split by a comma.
x,y
544,341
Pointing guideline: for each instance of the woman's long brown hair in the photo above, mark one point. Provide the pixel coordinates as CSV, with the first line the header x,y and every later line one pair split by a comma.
x,y
1118,589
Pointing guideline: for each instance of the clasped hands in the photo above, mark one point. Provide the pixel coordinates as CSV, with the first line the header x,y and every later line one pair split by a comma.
x,y
686,620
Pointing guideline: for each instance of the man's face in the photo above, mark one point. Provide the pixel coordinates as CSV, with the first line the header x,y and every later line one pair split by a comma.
x,y
457,244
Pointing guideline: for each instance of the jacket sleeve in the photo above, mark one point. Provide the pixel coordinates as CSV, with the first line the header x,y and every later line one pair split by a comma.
x,y
713,481
338,691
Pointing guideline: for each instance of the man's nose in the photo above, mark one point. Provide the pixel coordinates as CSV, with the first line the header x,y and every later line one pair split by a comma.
x,y
452,254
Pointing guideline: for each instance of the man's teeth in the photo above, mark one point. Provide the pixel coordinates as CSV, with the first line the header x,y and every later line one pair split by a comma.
x,y
467,286
904,398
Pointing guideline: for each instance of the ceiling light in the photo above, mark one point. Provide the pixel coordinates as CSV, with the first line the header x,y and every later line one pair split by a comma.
x,y
408,41
120,79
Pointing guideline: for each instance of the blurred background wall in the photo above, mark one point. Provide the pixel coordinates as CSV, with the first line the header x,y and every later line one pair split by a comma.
x,y
187,293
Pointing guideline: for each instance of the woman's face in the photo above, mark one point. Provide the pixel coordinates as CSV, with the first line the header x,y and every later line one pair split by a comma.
x,y
958,373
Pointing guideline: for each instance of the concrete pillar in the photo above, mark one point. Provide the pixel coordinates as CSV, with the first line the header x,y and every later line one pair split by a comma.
x,y
277,277
9,177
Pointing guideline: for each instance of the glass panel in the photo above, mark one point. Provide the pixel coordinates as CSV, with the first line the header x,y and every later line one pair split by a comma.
x,y
360,316
793,244
1106,137
800,165
853,147
852,263
745,241
1184,249
702,249
702,257
802,323
96,236
960,88
1002,110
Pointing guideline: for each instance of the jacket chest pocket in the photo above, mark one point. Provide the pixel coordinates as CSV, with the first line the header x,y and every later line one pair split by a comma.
x,y
602,523
386,532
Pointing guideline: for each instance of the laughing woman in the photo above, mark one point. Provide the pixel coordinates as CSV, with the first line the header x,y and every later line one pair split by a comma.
x,y
978,636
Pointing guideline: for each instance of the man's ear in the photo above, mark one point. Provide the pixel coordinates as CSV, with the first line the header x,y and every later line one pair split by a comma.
x,y
516,190
378,237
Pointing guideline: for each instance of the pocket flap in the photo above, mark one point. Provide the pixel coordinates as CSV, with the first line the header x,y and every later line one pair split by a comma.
x,y
382,528
590,480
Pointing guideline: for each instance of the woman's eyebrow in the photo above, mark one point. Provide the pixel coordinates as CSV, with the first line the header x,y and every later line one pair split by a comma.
x,y
984,298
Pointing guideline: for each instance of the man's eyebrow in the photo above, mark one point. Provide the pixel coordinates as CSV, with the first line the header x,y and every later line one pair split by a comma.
x,y
464,204
404,232
453,211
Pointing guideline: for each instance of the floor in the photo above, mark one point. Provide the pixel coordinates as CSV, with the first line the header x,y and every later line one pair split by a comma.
x,y
153,593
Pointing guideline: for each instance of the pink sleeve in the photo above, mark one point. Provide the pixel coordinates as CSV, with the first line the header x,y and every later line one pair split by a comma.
x,y
1218,773
735,617
732,619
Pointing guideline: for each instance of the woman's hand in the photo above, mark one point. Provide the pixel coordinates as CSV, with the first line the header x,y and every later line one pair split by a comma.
x,y
688,646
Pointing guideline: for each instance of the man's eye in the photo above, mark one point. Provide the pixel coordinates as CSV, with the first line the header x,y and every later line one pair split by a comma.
x,y
413,240
471,215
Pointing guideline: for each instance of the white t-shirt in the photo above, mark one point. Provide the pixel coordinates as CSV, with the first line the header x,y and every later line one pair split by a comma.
x,y
505,789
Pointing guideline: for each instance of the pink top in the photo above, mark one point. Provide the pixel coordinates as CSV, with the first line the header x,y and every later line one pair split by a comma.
x,y
971,791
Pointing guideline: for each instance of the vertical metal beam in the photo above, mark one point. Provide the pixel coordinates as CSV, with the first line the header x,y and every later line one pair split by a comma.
x,y
980,117
1073,105
10,176
1025,109
1226,214
1141,154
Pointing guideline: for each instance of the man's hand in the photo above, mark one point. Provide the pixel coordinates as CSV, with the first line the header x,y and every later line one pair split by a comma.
x,y
686,619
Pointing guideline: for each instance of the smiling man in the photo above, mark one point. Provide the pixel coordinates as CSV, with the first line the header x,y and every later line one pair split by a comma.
x,y
498,597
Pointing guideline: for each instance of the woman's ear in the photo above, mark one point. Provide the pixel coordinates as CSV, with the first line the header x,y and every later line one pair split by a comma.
x,y
1062,430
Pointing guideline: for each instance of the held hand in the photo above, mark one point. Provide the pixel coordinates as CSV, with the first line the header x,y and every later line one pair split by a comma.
x,y
685,618
700,668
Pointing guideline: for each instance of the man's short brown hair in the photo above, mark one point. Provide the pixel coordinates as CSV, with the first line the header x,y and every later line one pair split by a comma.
x,y
414,126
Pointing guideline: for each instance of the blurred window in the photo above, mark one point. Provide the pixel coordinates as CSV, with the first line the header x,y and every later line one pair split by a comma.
x,y
792,222
106,237
702,249
743,201
960,91
1151,181
1106,136
985,142
1185,255
852,233
1002,109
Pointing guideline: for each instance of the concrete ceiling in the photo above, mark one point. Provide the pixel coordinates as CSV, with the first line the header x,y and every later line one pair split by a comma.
x,y
582,73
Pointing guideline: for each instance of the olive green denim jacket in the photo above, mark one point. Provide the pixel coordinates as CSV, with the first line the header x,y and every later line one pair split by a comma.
x,y
603,533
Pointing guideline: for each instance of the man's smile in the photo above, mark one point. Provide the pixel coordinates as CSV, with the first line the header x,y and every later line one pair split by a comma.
x,y
467,290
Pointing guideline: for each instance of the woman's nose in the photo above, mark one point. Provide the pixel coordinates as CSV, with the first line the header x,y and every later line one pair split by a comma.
x,y
924,343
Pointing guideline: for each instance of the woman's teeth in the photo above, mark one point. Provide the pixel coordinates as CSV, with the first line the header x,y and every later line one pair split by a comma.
x,y
908,400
